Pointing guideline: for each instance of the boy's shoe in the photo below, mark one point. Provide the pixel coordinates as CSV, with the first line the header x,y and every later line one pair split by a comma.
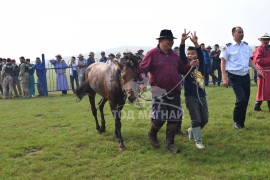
x,y
190,134
200,146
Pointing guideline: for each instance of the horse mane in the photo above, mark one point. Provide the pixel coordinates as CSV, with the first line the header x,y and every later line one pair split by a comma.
x,y
130,61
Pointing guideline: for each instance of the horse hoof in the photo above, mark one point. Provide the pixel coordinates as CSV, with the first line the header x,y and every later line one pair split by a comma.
x,y
102,129
122,147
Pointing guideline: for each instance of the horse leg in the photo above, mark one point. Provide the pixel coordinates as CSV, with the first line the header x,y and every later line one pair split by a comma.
x,y
94,110
101,106
117,117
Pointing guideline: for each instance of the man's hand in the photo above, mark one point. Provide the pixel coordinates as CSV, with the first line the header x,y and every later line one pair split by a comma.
x,y
185,36
142,87
259,74
225,82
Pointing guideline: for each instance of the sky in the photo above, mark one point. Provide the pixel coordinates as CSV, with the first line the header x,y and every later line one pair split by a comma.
x,y
30,28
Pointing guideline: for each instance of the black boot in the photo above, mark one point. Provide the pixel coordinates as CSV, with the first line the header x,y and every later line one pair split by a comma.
x,y
170,133
152,135
257,106
179,127
268,103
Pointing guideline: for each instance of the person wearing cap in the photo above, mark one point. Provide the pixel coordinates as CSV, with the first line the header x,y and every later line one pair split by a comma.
x,y
111,58
236,62
82,65
262,61
91,59
16,82
60,70
31,82
24,77
164,68
140,52
40,72
103,57
7,77
73,73
216,64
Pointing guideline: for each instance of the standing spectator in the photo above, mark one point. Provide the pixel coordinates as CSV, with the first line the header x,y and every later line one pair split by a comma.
x,y
194,93
1,88
236,59
31,82
216,63
73,74
60,70
16,82
7,76
103,57
164,68
110,59
207,64
262,61
40,72
118,56
176,50
140,52
24,76
82,65
214,78
3,62
91,59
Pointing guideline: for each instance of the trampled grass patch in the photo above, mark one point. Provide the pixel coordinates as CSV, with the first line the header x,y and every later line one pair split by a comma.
x,y
55,138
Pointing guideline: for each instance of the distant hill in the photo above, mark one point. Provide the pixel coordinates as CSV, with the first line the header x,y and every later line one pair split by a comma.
x,y
120,49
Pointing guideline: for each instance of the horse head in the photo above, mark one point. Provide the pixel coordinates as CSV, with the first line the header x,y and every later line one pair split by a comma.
x,y
129,76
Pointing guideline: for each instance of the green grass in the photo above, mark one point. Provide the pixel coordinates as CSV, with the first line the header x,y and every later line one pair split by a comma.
x,y
55,138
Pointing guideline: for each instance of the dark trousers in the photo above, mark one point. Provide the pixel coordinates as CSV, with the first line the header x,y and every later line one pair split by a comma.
x,y
72,78
167,108
207,68
241,88
218,68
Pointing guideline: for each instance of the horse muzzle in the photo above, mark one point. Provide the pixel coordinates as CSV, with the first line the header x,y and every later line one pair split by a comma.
x,y
131,96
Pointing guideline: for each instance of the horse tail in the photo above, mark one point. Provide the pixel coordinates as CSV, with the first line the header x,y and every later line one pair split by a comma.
x,y
84,88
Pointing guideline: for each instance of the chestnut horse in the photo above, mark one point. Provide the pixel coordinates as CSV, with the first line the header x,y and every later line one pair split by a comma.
x,y
114,83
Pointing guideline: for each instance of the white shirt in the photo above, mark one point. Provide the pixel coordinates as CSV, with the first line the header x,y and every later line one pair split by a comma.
x,y
83,63
237,58
73,68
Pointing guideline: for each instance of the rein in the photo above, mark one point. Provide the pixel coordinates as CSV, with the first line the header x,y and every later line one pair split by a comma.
x,y
173,87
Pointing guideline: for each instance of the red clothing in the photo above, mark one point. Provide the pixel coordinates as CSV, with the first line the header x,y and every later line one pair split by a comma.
x,y
164,69
262,60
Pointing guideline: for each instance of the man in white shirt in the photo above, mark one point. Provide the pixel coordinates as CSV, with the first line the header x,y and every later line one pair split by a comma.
x,y
236,60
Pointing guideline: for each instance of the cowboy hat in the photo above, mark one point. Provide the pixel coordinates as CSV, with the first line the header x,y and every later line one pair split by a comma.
x,y
265,36
58,55
166,34
80,56
208,47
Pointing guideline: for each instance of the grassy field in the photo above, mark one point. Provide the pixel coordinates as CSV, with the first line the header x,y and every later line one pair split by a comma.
x,y
55,138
